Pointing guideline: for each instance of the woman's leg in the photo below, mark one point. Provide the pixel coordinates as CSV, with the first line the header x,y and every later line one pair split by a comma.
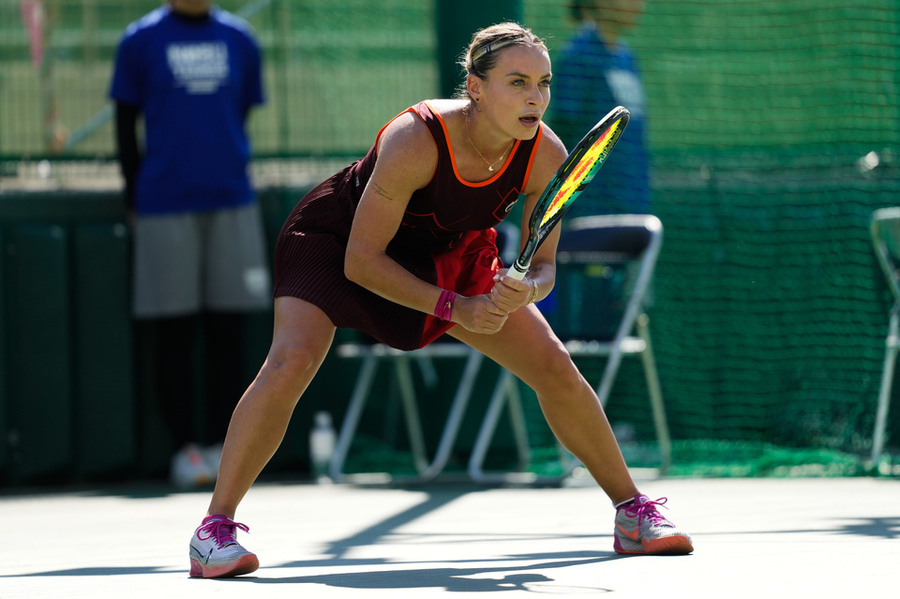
x,y
528,348
303,334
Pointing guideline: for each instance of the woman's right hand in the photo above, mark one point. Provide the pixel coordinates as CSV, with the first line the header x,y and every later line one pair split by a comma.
x,y
479,314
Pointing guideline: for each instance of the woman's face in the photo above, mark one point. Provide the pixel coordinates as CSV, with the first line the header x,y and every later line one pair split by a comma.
x,y
516,93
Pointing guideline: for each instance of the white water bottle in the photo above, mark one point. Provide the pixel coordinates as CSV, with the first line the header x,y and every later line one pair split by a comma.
x,y
322,440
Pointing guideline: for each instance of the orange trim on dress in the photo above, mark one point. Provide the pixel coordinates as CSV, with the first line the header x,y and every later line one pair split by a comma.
x,y
412,109
534,151
453,155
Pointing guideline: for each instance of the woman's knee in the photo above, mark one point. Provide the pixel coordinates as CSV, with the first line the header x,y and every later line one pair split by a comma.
x,y
294,358
559,376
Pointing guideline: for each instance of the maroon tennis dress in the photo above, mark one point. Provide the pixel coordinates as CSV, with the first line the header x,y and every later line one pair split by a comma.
x,y
446,238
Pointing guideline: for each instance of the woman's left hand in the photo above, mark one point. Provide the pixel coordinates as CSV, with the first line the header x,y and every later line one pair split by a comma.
x,y
511,294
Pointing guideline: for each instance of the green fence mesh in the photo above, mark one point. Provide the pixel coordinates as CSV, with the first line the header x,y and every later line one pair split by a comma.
x,y
774,133
334,71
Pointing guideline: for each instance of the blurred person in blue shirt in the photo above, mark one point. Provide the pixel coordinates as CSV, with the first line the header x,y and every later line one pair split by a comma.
x,y
594,72
192,72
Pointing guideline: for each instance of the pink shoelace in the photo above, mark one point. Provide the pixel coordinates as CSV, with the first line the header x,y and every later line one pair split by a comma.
x,y
221,530
647,510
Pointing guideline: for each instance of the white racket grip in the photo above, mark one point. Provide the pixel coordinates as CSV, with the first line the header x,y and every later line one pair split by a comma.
x,y
515,273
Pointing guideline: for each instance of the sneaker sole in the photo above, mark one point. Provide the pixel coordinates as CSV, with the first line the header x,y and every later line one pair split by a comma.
x,y
674,545
246,564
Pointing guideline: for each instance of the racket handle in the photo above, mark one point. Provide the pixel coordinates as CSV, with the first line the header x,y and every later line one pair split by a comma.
x,y
516,272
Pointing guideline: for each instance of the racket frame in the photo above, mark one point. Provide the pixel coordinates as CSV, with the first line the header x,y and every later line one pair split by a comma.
x,y
613,124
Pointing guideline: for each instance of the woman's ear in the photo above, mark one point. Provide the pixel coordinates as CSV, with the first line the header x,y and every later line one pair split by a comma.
x,y
473,87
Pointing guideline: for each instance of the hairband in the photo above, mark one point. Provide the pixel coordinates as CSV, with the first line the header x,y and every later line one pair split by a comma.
x,y
490,47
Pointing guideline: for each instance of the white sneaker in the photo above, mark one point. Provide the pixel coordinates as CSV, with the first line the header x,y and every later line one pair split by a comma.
x,y
189,469
641,529
215,553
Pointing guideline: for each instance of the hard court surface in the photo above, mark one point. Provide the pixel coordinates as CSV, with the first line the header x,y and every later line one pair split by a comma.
x,y
761,538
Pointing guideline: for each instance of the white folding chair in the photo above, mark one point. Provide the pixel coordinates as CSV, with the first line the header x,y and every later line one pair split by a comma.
x,y
374,354
588,247
885,230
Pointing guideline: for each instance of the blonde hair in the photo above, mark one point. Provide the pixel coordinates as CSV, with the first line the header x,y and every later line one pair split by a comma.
x,y
486,43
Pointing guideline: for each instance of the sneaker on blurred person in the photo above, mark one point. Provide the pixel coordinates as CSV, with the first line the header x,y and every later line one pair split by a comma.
x,y
215,553
190,469
212,455
641,529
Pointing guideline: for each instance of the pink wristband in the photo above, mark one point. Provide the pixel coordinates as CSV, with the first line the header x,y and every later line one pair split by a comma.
x,y
444,307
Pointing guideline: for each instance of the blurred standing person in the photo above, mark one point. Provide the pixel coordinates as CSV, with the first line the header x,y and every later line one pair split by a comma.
x,y
193,72
594,72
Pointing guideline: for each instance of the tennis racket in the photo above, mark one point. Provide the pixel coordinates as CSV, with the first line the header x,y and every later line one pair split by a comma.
x,y
573,176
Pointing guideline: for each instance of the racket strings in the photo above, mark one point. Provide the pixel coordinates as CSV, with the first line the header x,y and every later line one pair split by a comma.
x,y
588,164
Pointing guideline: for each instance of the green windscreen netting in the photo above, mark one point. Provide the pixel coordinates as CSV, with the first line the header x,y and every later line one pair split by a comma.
x,y
773,132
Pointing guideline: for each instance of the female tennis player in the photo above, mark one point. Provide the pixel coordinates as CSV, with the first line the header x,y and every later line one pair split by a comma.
x,y
400,245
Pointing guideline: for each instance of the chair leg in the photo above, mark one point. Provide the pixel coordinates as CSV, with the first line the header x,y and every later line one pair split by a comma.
x,y
351,418
656,397
429,372
488,425
411,413
892,344
517,420
404,377
613,361
505,390
455,417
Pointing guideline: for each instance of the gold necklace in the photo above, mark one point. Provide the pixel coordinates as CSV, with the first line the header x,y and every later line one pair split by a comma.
x,y
490,165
